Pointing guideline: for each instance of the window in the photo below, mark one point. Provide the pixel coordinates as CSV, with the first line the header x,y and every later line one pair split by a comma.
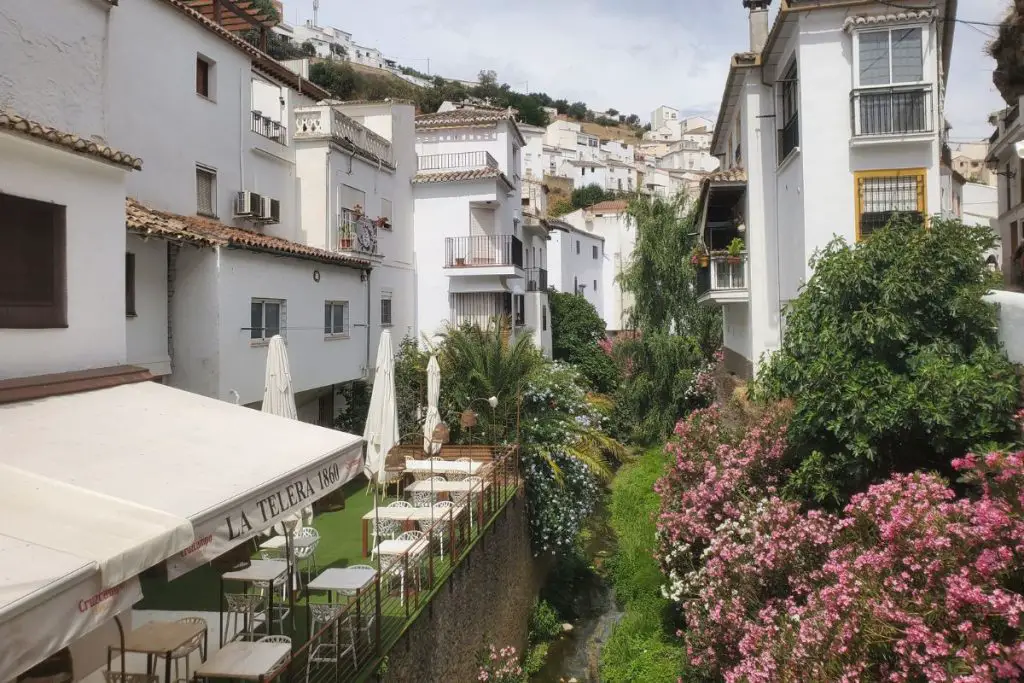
x,y
595,285
129,284
890,57
577,246
265,320
385,309
385,212
881,194
593,251
544,318
33,275
336,318
789,134
575,285
206,191
204,76
352,198
1009,188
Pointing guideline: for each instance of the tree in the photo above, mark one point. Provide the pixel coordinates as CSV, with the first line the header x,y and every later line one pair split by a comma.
x,y
576,329
560,207
605,121
1008,75
488,77
582,197
561,106
308,49
577,110
659,275
633,120
892,359
612,112
647,127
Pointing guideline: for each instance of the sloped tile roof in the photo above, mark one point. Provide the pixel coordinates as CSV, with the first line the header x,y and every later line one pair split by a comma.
x,y
458,176
609,206
891,18
10,121
202,232
732,175
462,117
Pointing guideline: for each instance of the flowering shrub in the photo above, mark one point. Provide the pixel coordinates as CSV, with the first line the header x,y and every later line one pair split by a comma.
x,y
561,487
714,475
702,389
908,583
501,666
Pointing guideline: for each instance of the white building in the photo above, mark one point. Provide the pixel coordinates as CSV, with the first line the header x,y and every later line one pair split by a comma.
x,y
791,184
475,258
610,222
576,262
1008,167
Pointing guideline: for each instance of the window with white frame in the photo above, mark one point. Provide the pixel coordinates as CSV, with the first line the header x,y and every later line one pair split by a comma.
x,y
385,308
385,212
891,96
267,317
336,320
206,191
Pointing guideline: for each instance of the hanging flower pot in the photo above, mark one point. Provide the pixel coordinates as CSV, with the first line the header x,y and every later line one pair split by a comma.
x,y
733,260
346,242
704,260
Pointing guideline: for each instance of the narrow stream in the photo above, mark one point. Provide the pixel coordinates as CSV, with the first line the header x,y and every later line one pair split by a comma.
x,y
576,656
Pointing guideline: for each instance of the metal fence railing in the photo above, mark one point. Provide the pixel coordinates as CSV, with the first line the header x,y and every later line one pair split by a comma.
x,y
268,128
347,641
536,280
483,250
892,111
456,161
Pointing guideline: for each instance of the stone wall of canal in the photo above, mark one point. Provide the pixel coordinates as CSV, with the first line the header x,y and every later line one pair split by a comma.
x,y
487,600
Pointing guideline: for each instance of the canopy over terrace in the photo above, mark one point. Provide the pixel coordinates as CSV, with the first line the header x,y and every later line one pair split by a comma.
x,y
119,479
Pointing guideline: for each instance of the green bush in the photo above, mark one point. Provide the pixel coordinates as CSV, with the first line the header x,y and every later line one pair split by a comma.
x,y
642,647
891,358
544,623
576,329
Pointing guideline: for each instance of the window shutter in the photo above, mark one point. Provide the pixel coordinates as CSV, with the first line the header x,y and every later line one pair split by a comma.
x,y
33,284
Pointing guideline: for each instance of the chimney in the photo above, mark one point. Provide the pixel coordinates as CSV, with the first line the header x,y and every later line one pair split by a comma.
x,y
758,23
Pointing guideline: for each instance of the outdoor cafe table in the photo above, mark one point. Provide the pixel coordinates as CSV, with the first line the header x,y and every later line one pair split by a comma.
x,y
159,639
278,542
404,515
244,660
345,581
444,466
451,487
258,571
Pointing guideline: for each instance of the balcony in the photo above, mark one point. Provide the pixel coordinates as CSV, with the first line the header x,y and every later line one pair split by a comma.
x,y
483,309
500,255
892,112
325,122
460,161
723,280
269,128
357,235
536,280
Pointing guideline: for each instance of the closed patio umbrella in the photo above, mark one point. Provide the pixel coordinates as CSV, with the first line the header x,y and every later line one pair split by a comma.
x,y
433,416
381,431
278,398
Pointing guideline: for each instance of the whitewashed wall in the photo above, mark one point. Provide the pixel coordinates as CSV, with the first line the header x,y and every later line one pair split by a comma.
x,y
1011,322
93,194
147,330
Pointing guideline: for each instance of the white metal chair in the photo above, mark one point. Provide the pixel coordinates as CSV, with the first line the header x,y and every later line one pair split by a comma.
x,y
476,487
118,677
384,529
280,588
244,607
307,553
275,639
325,650
417,475
414,555
461,474
186,650
422,499
444,522
400,504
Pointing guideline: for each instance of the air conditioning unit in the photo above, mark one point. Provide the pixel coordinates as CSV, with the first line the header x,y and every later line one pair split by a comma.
x,y
271,210
248,205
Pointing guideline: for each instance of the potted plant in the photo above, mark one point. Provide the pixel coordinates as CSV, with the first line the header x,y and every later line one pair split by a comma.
x,y
734,253
382,222
699,256
346,240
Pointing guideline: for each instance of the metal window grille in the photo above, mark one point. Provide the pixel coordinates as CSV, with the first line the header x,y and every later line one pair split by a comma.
x,y
385,311
880,198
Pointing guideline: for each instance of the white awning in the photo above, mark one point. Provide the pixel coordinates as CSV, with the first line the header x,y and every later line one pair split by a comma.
x,y
104,484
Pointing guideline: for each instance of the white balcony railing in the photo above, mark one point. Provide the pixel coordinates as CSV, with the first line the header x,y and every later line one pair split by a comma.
x,y
319,121
723,274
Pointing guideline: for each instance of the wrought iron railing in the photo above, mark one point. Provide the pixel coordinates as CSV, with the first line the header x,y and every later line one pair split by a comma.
x,y
722,274
351,642
482,251
456,161
892,111
356,234
536,280
268,128
789,137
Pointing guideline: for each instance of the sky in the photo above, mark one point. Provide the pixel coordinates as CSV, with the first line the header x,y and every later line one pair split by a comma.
x,y
633,55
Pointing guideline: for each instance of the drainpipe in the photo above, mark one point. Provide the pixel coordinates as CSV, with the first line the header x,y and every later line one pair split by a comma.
x,y
368,271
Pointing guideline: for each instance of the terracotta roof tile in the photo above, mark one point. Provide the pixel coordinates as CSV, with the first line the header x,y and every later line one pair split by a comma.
x,y
203,232
609,206
892,18
462,117
458,176
11,122
732,175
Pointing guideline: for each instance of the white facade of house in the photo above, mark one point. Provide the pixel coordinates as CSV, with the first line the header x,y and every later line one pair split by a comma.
x,y
609,221
576,263
586,172
474,256
790,186
1009,221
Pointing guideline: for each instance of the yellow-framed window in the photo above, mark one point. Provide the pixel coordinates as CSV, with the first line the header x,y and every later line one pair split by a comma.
x,y
882,194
